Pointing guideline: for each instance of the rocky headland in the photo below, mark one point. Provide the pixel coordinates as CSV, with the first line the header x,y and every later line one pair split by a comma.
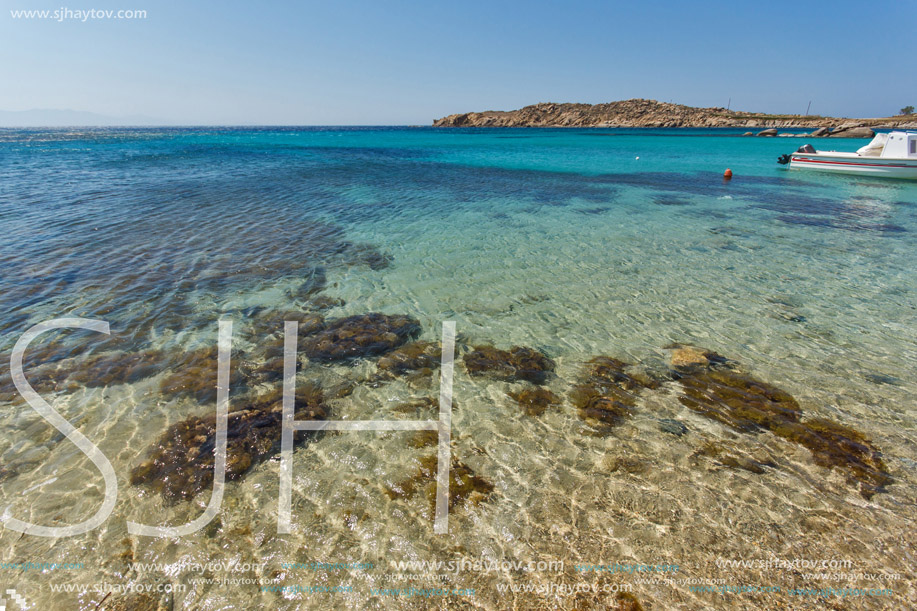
x,y
650,113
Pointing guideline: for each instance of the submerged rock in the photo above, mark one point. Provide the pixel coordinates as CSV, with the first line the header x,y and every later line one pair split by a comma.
x,y
626,601
881,378
359,336
750,405
422,408
195,374
6,473
688,357
465,486
263,364
733,459
366,254
534,401
424,439
518,363
94,371
671,200
314,282
118,368
672,426
738,400
628,464
140,602
741,462
180,464
607,394
589,600
835,445
324,302
308,323
422,356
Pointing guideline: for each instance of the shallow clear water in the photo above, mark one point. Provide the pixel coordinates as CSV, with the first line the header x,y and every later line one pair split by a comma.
x,y
561,240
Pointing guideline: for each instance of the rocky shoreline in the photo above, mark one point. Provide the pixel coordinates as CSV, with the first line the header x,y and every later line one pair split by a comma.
x,y
650,113
851,129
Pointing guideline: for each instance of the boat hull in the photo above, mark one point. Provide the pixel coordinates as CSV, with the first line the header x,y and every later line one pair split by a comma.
x,y
863,166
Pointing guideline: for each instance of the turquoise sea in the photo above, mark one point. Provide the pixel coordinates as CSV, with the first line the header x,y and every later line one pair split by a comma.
x,y
575,243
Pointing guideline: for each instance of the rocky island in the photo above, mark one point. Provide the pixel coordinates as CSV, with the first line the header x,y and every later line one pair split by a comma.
x,y
650,113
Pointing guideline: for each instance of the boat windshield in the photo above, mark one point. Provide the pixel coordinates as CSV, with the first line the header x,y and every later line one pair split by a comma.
x,y
874,148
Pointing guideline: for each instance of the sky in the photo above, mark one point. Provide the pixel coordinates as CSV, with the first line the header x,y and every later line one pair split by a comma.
x,y
391,62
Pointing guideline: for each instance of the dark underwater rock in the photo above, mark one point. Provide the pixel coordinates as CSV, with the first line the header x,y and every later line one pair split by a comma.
x,y
606,394
672,426
359,336
750,405
534,401
741,462
424,439
139,602
738,400
422,356
119,368
180,464
308,323
834,445
881,378
195,374
366,254
626,601
465,486
422,409
314,281
733,459
6,473
670,200
95,371
324,302
518,363
375,259
628,464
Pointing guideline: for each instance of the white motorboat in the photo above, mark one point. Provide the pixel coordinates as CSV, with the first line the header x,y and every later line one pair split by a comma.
x,y
892,155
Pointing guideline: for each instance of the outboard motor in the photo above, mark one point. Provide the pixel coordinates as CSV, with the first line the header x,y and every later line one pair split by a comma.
x,y
805,148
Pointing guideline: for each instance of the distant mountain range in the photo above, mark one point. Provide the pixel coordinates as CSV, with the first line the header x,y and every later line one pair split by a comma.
x,y
69,118
649,113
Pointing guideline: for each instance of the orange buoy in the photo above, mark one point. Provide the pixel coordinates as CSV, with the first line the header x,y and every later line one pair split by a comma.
x,y
727,174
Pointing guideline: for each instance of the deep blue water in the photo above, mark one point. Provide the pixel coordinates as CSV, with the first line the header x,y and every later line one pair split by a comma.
x,y
87,214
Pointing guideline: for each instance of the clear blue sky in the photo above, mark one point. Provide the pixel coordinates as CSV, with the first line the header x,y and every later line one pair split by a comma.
x,y
399,62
